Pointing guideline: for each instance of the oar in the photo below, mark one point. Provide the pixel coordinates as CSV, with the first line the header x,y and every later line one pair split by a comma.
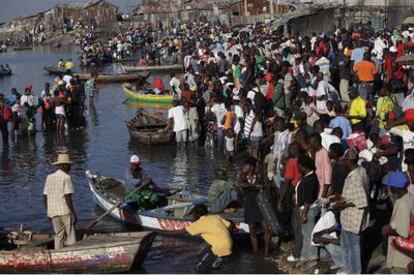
x,y
93,223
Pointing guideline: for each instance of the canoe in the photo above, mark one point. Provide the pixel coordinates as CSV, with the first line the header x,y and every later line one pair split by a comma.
x,y
107,192
6,72
141,97
55,70
173,216
23,48
98,253
174,67
110,77
145,129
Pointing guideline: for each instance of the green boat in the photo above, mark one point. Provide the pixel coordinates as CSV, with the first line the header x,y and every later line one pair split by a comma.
x,y
141,97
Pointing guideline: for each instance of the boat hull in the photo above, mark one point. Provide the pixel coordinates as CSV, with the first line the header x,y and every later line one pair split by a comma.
x,y
165,100
174,67
98,257
111,78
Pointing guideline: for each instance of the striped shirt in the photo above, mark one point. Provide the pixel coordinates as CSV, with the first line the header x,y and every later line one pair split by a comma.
x,y
56,187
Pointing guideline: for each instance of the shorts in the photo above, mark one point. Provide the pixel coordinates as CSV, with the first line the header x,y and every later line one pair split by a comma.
x,y
193,136
181,136
255,142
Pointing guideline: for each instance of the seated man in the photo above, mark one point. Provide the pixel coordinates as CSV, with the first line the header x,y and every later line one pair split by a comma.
x,y
324,234
221,192
135,175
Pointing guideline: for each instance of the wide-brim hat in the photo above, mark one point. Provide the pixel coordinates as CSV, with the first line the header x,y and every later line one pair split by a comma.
x,y
63,159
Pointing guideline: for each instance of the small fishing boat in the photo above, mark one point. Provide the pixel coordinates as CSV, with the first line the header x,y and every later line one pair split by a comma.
x,y
111,77
5,71
145,129
23,48
55,70
97,253
174,67
108,192
173,216
176,217
145,96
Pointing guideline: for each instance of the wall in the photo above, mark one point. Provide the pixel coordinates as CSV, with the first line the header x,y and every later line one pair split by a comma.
x,y
321,22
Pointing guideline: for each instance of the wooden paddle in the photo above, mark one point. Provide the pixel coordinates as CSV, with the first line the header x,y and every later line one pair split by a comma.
x,y
94,222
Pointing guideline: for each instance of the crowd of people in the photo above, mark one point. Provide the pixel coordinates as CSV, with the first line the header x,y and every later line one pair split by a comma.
x,y
327,122
60,106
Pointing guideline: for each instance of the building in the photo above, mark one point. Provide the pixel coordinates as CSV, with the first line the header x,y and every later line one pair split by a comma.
x,y
100,12
328,15
257,7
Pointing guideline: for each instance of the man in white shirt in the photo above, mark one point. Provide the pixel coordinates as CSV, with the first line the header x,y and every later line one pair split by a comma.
x,y
57,193
327,138
219,109
175,85
178,123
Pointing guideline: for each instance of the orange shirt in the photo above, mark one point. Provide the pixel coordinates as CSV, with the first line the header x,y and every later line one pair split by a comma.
x,y
365,71
229,120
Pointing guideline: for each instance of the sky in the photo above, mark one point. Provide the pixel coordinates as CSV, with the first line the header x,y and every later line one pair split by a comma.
x,y
12,8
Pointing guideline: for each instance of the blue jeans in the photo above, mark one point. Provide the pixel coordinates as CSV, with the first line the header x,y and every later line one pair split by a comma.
x,y
309,252
222,201
366,90
336,252
220,139
351,246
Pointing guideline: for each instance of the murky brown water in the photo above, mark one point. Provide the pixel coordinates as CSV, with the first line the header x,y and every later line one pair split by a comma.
x,y
103,146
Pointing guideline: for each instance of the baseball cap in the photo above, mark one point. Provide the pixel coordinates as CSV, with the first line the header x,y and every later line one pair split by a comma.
x,y
134,159
396,179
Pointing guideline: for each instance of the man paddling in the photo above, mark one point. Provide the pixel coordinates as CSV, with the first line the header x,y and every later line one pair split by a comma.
x,y
57,193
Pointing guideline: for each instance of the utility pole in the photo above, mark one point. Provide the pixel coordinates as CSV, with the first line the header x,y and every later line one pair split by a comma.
x,y
271,8
245,8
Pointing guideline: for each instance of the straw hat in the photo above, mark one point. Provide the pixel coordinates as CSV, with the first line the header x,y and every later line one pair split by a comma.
x,y
63,159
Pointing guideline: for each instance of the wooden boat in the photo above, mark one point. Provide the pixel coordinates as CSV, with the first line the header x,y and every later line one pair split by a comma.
x,y
23,48
172,217
5,71
145,98
145,129
107,192
174,67
97,253
110,77
55,70
176,217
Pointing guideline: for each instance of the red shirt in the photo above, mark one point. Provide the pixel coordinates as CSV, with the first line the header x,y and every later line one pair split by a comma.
x,y
292,172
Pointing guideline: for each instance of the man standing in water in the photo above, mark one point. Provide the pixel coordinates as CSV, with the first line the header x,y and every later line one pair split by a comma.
x,y
57,193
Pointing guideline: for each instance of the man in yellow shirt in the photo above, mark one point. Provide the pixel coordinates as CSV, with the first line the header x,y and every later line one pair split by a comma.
x,y
357,110
69,65
215,232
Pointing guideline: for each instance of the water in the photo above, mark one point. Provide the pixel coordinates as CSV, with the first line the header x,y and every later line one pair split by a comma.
x,y
104,146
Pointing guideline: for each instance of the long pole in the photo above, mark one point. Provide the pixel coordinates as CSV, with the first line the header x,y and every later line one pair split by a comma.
x,y
271,8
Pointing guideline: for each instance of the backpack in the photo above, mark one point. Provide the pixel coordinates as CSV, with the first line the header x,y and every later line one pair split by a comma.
x,y
7,114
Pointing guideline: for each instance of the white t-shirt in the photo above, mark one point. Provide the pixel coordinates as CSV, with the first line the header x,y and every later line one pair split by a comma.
x,y
239,115
328,139
219,109
177,114
67,79
325,222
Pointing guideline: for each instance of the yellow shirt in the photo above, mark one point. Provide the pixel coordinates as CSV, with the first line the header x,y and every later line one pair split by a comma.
x,y
358,108
385,104
69,65
214,230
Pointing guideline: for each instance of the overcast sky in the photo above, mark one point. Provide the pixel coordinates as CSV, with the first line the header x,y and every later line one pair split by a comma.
x,y
12,8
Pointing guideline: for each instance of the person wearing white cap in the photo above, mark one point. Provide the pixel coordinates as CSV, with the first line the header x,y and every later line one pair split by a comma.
x,y
134,175
57,193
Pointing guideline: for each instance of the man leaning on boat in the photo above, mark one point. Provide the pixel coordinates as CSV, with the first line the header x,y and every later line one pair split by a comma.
x,y
57,193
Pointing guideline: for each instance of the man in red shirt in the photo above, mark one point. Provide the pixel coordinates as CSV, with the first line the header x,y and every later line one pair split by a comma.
x,y
5,117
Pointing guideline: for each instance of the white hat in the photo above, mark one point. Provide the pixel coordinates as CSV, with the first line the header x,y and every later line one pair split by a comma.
x,y
63,159
236,91
134,159
393,49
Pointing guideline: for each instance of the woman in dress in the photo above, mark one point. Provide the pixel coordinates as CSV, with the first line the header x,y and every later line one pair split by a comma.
x,y
249,184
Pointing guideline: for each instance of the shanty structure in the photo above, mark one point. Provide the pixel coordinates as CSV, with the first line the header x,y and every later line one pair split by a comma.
x,y
328,15
99,12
